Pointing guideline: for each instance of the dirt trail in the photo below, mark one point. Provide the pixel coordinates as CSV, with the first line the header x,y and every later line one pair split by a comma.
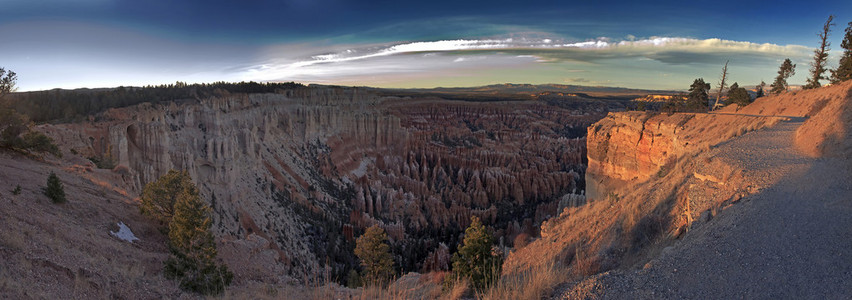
x,y
791,240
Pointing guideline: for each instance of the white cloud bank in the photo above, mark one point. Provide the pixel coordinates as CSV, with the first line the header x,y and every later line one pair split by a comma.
x,y
407,58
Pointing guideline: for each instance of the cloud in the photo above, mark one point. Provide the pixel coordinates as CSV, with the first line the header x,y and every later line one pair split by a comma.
x,y
395,58
603,61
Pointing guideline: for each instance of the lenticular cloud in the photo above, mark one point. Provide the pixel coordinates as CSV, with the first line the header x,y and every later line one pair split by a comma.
x,y
371,58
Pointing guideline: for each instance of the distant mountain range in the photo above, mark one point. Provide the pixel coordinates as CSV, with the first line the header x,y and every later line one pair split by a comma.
x,y
530,89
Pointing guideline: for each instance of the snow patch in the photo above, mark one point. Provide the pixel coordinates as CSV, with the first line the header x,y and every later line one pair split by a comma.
x,y
362,168
124,233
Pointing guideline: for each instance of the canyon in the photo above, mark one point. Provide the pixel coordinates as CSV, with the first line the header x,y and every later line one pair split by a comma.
x,y
683,205
294,177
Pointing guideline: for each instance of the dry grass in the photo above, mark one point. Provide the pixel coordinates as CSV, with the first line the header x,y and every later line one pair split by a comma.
x,y
536,283
411,286
625,231
459,289
415,286
586,263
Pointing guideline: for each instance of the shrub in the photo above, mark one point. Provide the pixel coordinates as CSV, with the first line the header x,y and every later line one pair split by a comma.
x,y
374,252
104,162
12,125
353,280
203,277
37,141
54,189
15,134
17,190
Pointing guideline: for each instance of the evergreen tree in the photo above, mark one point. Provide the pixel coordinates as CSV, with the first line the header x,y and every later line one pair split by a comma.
x,y
475,259
760,90
738,95
697,100
820,56
373,250
193,249
674,104
159,197
787,69
54,189
12,125
844,70
7,81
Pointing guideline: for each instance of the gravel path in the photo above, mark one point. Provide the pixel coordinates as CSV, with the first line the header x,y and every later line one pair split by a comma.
x,y
792,240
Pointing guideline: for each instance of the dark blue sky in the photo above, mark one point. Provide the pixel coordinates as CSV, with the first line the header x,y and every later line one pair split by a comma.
x,y
233,40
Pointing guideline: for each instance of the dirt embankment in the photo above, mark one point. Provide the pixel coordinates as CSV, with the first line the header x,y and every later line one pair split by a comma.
x,y
662,179
790,239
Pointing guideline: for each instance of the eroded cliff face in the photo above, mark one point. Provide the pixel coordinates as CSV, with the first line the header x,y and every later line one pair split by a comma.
x,y
631,147
652,177
308,169
250,155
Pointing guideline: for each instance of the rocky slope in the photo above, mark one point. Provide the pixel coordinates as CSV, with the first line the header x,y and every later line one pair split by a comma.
x,y
67,250
652,178
636,146
294,177
788,240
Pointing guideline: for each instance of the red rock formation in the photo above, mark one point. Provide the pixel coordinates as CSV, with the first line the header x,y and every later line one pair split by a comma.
x,y
437,260
635,146
302,163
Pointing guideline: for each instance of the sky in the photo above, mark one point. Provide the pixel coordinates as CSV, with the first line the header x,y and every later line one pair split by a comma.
x,y
410,44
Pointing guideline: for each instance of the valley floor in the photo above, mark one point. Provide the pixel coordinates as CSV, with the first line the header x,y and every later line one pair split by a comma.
x,y
792,240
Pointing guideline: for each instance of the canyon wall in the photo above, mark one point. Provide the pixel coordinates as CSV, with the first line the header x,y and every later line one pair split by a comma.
x,y
631,147
651,177
308,169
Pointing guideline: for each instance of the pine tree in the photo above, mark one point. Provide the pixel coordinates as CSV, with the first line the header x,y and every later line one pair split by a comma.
x,y
760,90
159,197
54,189
475,259
7,81
844,70
820,56
373,250
738,95
787,69
697,100
12,125
193,249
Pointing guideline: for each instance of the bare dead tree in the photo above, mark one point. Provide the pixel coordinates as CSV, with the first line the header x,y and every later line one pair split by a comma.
x,y
721,85
820,56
